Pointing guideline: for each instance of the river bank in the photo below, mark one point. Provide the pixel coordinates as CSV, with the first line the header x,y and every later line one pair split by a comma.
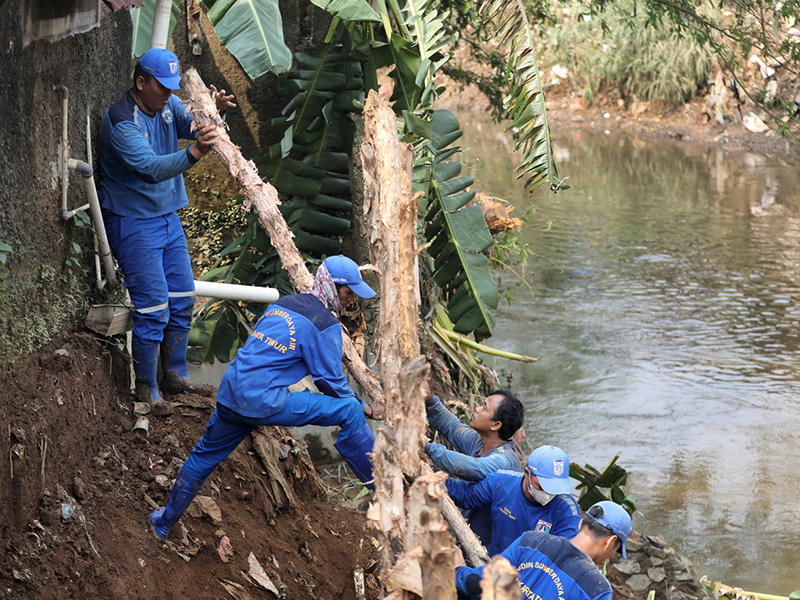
x,y
690,123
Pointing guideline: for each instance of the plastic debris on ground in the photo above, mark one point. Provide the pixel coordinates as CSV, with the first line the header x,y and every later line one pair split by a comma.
x,y
754,124
260,576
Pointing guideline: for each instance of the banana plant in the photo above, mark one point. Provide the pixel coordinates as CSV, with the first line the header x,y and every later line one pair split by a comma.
x,y
142,18
593,482
309,168
309,165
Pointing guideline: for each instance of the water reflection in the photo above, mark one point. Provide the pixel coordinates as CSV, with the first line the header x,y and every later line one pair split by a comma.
x,y
665,310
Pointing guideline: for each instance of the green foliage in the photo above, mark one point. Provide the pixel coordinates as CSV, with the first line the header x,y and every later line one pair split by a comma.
x,y
457,233
208,230
252,30
418,54
74,252
596,486
81,219
733,32
349,10
5,250
143,25
309,168
620,50
500,37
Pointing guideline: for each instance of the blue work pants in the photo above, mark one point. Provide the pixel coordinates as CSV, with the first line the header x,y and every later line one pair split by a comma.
x,y
154,259
226,428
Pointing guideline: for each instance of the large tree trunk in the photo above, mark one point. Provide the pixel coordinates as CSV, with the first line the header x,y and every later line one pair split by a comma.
x,y
263,197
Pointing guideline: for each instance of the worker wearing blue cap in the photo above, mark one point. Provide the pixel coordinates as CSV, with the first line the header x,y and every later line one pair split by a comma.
x,y
296,337
141,188
537,498
550,566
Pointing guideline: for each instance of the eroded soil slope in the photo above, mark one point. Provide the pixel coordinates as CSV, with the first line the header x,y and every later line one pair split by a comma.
x,y
67,440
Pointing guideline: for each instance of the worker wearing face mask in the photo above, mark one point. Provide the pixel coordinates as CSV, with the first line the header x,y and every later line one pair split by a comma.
x,y
538,498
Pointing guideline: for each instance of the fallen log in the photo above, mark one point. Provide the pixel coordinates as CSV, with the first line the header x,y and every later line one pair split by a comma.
x,y
263,197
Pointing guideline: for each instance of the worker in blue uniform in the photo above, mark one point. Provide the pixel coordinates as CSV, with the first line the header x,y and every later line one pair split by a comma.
x,y
297,336
141,188
551,566
482,447
537,498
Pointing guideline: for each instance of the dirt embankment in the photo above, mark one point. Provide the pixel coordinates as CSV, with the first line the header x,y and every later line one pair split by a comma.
x,y
68,446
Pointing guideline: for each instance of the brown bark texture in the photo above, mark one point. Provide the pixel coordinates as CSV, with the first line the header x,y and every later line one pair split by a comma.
x,y
428,536
500,581
263,197
391,215
417,550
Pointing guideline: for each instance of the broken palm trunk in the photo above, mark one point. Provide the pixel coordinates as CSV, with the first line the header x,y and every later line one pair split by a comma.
x,y
500,581
417,550
263,197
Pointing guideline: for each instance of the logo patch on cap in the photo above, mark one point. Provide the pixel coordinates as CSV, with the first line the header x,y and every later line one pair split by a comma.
x,y
558,468
544,526
173,67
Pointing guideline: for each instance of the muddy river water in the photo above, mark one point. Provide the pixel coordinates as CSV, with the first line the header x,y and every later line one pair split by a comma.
x,y
664,303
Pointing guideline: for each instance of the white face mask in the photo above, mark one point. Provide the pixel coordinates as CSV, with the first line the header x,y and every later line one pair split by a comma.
x,y
541,497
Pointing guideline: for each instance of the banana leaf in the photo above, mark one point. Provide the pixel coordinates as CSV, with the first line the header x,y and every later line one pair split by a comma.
x,y
457,234
349,10
142,18
506,23
593,483
252,30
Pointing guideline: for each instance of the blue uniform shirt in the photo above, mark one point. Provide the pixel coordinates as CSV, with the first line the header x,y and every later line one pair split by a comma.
x,y
465,463
512,513
140,164
547,567
297,336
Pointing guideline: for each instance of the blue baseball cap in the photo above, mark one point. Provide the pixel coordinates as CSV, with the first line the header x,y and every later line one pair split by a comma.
x,y
616,519
344,271
551,467
164,66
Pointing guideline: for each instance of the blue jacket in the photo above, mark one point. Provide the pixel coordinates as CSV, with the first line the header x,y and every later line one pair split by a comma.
x,y
548,567
512,513
140,164
297,336
465,463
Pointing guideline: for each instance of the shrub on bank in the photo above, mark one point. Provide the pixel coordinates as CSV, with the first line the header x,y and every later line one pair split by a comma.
x,y
618,49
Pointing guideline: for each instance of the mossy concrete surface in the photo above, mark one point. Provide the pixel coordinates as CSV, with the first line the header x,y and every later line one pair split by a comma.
x,y
47,281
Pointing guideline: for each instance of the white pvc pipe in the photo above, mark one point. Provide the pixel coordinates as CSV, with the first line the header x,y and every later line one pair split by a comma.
x,y
231,291
159,37
97,219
